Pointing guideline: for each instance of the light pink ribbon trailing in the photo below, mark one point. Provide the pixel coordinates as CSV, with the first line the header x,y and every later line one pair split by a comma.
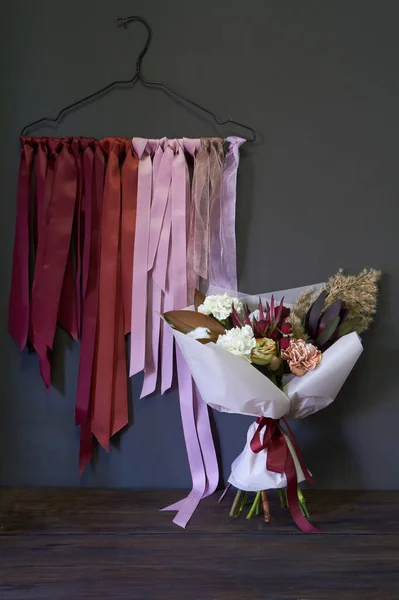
x,y
173,234
195,417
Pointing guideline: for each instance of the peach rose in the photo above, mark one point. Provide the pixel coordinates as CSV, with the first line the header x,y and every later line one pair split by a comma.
x,y
264,351
301,357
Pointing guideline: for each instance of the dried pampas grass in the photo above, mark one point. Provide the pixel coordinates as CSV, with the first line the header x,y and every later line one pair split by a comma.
x,y
298,329
302,305
358,291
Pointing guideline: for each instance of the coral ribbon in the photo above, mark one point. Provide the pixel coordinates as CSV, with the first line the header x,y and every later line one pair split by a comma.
x,y
94,167
280,460
109,400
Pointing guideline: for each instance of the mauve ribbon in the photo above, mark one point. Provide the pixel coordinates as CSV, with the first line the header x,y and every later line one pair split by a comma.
x,y
94,167
199,237
280,460
215,211
167,341
52,254
201,408
110,397
223,255
195,418
144,149
18,316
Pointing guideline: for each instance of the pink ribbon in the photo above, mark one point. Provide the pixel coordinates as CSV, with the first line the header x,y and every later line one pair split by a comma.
x,y
143,148
165,274
157,262
194,413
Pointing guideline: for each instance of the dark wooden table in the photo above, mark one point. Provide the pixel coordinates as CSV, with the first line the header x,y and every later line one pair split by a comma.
x,y
77,544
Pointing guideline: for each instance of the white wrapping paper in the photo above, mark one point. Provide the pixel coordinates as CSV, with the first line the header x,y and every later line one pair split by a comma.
x,y
229,383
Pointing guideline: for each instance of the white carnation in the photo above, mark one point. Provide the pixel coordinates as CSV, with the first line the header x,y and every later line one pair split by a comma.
x,y
220,306
239,341
199,333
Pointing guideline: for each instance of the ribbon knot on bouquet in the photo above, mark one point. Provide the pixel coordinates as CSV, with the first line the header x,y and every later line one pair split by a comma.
x,y
280,460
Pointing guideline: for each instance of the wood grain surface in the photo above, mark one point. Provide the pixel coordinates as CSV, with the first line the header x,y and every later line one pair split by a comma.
x,y
68,543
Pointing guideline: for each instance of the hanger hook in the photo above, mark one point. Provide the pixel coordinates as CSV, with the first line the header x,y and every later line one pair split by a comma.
x,y
124,22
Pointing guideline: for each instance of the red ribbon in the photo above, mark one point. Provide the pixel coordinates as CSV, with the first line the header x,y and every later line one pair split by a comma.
x,y
280,460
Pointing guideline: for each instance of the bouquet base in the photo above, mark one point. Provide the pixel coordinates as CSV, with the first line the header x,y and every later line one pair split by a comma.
x,y
258,503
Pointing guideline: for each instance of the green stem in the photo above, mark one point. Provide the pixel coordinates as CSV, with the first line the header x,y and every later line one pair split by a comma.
x,y
282,498
254,508
302,503
243,503
236,503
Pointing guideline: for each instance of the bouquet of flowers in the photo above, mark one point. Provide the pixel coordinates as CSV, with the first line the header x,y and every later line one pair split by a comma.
x,y
276,356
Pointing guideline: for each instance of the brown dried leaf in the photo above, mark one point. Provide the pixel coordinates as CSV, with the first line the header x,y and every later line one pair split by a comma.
x,y
187,320
199,298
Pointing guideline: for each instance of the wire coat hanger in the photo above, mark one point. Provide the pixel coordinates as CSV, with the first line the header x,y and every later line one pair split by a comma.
x,y
137,77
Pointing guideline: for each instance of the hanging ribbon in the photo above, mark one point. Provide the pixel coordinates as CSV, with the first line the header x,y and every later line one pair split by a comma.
x,y
194,413
129,208
52,253
18,316
223,255
280,460
157,264
143,149
109,407
136,253
94,168
71,300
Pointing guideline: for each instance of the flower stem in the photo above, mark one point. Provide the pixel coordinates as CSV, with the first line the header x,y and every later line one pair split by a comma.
x,y
236,502
302,503
255,505
266,507
243,503
282,498
259,507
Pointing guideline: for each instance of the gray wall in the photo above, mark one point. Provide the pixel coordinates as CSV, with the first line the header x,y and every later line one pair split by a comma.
x,y
319,191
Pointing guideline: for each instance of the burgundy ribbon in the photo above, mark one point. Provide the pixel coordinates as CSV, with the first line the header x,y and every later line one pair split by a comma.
x,y
52,252
18,317
280,460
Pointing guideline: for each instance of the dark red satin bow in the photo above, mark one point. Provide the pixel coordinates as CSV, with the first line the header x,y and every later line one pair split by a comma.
x,y
280,460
